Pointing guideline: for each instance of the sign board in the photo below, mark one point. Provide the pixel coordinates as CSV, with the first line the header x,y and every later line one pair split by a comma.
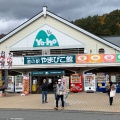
x,y
95,58
47,72
109,58
50,59
81,58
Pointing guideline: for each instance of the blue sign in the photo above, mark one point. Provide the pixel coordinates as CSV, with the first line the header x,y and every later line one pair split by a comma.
x,y
50,59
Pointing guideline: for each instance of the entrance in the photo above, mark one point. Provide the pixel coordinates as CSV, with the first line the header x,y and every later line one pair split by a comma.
x,y
38,80
51,75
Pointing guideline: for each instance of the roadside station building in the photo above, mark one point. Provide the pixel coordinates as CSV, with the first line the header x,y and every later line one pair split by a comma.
x,y
50,47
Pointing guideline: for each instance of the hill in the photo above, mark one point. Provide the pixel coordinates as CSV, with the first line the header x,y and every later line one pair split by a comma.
x,y
105,25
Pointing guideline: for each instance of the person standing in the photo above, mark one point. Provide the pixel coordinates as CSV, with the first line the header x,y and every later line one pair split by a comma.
x,y
111,87
44,91
59,94
54,88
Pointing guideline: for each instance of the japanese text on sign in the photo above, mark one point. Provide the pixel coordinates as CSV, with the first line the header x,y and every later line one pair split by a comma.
x,y
49,59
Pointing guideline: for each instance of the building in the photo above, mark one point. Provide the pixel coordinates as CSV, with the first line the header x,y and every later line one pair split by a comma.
x,y
48,46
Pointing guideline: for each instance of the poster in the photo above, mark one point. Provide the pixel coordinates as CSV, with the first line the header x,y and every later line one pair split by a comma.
x,y
89,82
113,78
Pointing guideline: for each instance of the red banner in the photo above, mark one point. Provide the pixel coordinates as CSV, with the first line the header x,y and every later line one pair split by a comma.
x,y
109,58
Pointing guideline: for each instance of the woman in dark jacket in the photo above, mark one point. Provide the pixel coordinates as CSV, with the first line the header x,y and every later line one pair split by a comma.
x,y
44,91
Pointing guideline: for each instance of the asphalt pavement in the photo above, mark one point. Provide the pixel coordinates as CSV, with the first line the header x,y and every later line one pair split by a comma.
x,y
55,115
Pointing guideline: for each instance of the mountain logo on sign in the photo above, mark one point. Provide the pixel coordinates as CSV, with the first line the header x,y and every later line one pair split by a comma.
x,y
44,40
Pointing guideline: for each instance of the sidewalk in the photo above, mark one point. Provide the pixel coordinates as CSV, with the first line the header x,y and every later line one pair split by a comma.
x,y
75,101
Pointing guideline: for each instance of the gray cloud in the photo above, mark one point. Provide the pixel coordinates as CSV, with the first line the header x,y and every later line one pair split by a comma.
x,y
18,11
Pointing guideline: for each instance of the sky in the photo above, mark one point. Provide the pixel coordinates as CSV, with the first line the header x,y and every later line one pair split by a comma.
x,y
15,12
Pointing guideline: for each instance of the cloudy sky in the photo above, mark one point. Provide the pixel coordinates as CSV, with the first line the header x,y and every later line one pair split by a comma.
x,y
15,12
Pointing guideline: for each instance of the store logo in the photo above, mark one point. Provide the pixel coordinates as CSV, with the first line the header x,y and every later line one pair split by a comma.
x,y
82,58
109,57
95,57
45,39
46,73
118,56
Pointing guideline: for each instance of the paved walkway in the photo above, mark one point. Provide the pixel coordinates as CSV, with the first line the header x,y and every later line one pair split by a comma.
x,y
75,101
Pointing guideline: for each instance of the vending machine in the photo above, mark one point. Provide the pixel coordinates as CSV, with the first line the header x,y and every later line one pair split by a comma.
x,y
76,83
18,83
89,82
10,87
101,82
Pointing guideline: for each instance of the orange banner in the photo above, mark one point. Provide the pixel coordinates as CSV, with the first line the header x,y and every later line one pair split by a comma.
x,y
26,86
81,58
95,58
109,57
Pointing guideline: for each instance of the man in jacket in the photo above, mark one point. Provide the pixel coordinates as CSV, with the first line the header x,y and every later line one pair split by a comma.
x,y
44,91
59,94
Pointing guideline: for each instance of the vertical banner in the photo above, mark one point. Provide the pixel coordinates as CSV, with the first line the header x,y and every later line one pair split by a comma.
x,y
26,85
9,60
0,78
2,59
109,58
65,82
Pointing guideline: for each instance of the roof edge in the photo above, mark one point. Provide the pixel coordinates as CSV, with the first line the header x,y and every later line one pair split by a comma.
x,y
62,20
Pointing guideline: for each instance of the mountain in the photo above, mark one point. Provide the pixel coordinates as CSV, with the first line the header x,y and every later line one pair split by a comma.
x,y
105,25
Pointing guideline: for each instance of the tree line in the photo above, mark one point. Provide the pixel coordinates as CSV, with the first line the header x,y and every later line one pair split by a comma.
x,y
105,25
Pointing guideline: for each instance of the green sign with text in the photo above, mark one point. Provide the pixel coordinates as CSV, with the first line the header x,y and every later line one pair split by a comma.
x,y
50,59
48,72
117,57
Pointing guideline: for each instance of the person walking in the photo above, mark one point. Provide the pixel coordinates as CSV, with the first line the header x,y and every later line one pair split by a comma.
x,y
59,94
44,91
54,88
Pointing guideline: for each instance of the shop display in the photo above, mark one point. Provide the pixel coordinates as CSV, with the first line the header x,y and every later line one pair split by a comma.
x,y
76,83
89,82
